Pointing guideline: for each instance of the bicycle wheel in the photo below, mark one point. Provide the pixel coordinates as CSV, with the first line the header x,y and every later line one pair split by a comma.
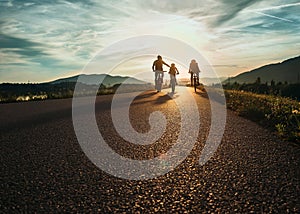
x,y
173,84
159,83
195,84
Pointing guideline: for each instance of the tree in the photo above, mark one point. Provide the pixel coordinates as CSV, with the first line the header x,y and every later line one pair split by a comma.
x,y
258,81
272,83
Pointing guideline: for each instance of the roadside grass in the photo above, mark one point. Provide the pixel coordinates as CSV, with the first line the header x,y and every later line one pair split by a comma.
x,y
276,113
30,92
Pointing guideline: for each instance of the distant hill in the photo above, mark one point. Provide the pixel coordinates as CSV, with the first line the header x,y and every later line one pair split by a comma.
x,y
204,80
288,70
64,88
94,79
210,81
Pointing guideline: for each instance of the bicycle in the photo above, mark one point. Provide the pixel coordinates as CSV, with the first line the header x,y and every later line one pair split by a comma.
x,y
173,82
195,81
159,80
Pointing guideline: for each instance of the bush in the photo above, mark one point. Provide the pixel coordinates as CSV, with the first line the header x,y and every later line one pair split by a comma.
x,y
280,114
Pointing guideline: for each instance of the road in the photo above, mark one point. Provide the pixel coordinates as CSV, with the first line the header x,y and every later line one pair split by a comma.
x,y
45,170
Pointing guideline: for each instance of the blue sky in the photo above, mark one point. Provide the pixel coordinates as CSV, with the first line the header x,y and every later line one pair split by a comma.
x,y
45,40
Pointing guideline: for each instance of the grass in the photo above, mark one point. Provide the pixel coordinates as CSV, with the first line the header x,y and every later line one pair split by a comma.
x,y
277,113
29,92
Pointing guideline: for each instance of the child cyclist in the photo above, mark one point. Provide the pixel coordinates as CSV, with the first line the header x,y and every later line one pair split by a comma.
x,y
173,71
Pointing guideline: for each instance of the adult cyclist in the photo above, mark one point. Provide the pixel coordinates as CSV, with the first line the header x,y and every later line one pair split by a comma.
x,y
194,69
157,67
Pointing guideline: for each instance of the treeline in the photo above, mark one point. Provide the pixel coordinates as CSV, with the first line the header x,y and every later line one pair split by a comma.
x,y
272,88
15,92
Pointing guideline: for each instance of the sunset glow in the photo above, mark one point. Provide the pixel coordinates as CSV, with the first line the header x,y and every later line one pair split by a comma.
x,y
45,40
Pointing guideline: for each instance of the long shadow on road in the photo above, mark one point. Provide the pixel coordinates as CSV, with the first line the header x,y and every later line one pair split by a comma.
x,y
163,99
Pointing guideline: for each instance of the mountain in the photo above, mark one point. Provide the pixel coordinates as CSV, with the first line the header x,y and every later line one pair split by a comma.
x,y
95,79
286,71
204,80
210,81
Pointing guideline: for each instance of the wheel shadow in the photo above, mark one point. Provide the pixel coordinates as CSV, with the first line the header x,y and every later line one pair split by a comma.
x,y
162,99
166,97
146,95
201,93
212,94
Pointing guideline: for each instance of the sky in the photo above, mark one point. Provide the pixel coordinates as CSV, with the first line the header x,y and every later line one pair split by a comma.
x,y
50,39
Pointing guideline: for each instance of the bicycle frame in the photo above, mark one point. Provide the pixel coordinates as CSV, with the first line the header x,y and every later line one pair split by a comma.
x,y
159,80
195,81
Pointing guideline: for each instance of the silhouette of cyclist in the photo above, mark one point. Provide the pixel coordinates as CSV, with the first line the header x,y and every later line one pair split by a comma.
x,y
157,67
194,69
173,71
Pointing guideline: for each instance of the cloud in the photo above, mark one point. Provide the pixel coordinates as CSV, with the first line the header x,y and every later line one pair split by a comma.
x,y
21,46
6,3
228,66
217,13
13,42
63,35
232,9
276,7
275,17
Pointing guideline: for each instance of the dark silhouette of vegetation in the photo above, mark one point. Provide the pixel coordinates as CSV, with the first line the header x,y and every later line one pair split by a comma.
x,y
273,105
15,92
272,88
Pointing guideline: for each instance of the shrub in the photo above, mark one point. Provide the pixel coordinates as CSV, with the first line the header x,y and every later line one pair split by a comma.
x,y
280,114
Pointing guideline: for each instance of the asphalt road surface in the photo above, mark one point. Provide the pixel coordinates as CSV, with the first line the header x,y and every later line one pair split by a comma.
x,y
44,169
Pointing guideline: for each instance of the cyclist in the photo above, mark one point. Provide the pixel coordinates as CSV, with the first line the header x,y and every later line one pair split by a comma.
x,y
173,71
157,67
194,69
